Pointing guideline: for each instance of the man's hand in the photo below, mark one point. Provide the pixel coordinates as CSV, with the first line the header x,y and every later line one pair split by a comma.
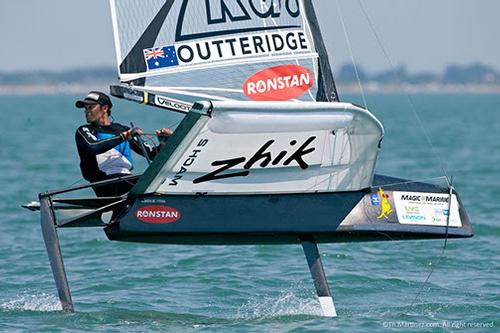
x,y
164,132
127,135
163,136
136,131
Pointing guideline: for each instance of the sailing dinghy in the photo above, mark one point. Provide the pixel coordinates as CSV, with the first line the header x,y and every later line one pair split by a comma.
x,y
265,154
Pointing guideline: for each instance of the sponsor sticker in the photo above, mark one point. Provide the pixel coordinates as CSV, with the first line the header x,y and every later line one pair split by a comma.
x,y
241,166
134,97
374,198
227,17
217,50
188,162
385,204
279,83
426,209
153,201
171,104
157,214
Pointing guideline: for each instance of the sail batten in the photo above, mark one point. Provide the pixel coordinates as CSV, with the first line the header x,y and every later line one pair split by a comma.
x,y
166,71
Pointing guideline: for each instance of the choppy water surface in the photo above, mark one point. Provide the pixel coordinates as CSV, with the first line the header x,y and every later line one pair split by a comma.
x,y
140,287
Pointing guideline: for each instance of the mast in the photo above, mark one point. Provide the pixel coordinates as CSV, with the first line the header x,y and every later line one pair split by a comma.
x,y
327,91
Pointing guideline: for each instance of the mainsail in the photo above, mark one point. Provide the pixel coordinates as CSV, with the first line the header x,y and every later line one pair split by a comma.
x,y
247,63
249,50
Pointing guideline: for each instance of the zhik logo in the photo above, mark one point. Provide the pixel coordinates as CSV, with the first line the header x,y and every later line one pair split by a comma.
x,y
265,157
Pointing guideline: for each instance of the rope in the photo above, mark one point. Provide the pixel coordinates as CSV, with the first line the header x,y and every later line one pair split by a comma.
x,y
339,10
385,185
441,255
410,100
76,182
449,180
411,181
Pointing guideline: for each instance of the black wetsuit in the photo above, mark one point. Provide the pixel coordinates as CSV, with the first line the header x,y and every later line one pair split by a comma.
x,y
105,154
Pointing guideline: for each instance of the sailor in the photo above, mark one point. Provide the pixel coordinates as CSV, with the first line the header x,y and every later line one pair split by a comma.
x,y
104,146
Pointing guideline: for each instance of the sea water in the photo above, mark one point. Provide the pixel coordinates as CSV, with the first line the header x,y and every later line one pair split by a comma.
x,y
118,286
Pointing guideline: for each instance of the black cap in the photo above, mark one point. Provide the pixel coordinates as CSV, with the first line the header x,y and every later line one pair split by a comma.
x,y
94,97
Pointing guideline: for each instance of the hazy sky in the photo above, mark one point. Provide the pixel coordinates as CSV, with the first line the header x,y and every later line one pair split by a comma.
x,y
422,34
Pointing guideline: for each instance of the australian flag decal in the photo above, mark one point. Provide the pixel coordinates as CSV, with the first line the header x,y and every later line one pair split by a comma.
x,y
161,57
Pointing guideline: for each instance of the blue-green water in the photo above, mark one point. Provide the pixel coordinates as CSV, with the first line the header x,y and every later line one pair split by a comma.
x,y
139,287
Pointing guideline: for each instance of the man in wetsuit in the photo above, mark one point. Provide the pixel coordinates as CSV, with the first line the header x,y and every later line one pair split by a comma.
x,y
104,146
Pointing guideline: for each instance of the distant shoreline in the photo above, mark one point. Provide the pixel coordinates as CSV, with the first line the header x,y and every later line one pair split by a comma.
x,y
51,89
369,88
429,88
474,78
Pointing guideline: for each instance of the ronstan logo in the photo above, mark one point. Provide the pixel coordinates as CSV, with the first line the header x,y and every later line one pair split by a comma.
x,y
157,214
280,83
263,156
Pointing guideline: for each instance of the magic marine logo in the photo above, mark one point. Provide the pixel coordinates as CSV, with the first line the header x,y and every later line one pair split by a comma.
x,y
211,31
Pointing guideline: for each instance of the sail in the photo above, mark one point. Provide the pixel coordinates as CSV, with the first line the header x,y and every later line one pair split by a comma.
x,y
243,50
